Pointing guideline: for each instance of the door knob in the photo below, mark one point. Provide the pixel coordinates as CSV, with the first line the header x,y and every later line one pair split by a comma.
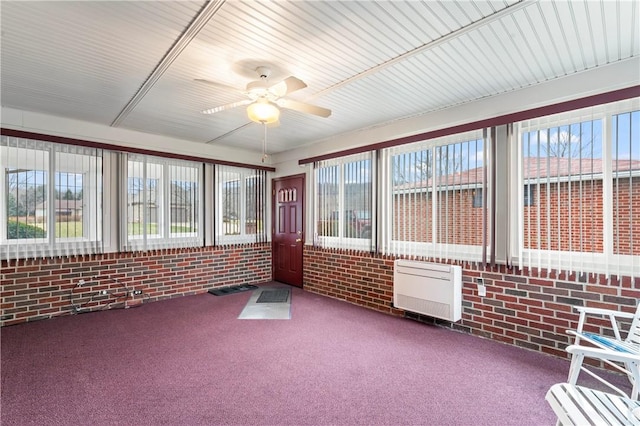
x,y
298,240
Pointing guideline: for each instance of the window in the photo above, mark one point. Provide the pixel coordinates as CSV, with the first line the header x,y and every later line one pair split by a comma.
x,y
529,195
163,203
241,205
582,172
344,202
52,203
477,197
431,189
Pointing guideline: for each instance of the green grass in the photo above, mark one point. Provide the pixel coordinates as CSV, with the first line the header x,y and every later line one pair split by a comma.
x,y
68,229
137,229
179,228
152,229
62,230
74,229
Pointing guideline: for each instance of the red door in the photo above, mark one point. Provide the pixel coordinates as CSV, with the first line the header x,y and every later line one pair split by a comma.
x,y
288,227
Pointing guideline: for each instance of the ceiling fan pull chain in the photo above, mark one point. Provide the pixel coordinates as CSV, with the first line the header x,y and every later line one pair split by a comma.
x,y
264,142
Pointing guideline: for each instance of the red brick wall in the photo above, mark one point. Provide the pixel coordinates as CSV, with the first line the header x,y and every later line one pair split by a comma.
x,y
575,224
412,217
626,216
572,224
365,279
41,288
520,308
458,221
580,226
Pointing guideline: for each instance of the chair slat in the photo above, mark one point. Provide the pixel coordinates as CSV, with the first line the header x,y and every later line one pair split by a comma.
x,y
578,405
564,406
622,354
608,343
613,410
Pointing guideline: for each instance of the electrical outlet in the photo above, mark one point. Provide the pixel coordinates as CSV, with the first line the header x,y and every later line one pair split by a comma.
x,y
136,292
482,290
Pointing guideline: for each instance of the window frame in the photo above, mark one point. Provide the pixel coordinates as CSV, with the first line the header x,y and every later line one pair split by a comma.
x,y
244,176
366,242
52,166
564,260
432,248
163,237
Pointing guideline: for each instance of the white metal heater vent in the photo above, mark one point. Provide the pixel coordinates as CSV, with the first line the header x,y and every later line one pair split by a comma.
x,y
430,289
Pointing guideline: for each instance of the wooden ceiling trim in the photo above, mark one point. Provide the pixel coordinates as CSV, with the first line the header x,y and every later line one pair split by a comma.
x,y
202,18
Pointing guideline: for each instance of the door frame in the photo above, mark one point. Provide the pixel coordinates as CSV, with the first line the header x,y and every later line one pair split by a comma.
x,y
274,203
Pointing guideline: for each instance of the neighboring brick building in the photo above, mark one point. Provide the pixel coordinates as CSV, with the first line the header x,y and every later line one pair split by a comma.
x,y
561,212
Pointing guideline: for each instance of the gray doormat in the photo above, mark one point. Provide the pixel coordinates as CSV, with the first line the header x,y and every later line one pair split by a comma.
x,y
275,304
222,291
280,295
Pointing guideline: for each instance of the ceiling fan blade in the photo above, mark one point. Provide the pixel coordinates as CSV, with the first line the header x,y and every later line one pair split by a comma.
x,y
302,107
219,85
227,106
286,86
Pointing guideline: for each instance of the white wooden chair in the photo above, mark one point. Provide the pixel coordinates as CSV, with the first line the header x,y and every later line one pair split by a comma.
x,y
622,354
579,406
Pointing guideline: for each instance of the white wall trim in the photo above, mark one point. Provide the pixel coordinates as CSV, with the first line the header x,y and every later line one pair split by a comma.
x,y
59,126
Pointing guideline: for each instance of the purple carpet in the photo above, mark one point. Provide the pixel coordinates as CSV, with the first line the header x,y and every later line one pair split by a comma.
x,y
190,361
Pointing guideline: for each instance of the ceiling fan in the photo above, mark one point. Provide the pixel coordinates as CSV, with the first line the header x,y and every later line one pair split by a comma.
x,y
264,98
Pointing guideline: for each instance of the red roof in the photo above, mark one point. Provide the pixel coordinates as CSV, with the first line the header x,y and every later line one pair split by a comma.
x,y
562,167
534,167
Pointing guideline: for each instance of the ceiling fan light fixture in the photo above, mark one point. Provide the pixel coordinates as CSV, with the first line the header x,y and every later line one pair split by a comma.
x,y
263,111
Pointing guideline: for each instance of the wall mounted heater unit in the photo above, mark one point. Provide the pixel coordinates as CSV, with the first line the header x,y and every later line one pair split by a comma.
x,y
430,289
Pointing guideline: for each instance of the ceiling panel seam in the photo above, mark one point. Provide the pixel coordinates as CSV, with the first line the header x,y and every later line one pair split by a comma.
x,y
197,24
509,10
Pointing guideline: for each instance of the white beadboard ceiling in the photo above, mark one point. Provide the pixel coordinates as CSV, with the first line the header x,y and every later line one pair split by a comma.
x,y
134,64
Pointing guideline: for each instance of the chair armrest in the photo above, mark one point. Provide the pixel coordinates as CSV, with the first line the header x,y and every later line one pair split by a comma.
x,y
600,311
610,355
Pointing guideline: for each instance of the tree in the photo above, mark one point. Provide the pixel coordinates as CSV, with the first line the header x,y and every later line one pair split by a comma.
x,y
450,159
575,141
12,205
412,167
27,190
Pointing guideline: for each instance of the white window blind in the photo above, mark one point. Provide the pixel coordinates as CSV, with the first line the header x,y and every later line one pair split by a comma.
x,y
241,205
52,199
583,171
625,168
434,198
163,203
344,200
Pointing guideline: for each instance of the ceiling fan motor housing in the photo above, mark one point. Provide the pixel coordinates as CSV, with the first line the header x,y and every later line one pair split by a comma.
x,y
260,88
263,72
257,89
